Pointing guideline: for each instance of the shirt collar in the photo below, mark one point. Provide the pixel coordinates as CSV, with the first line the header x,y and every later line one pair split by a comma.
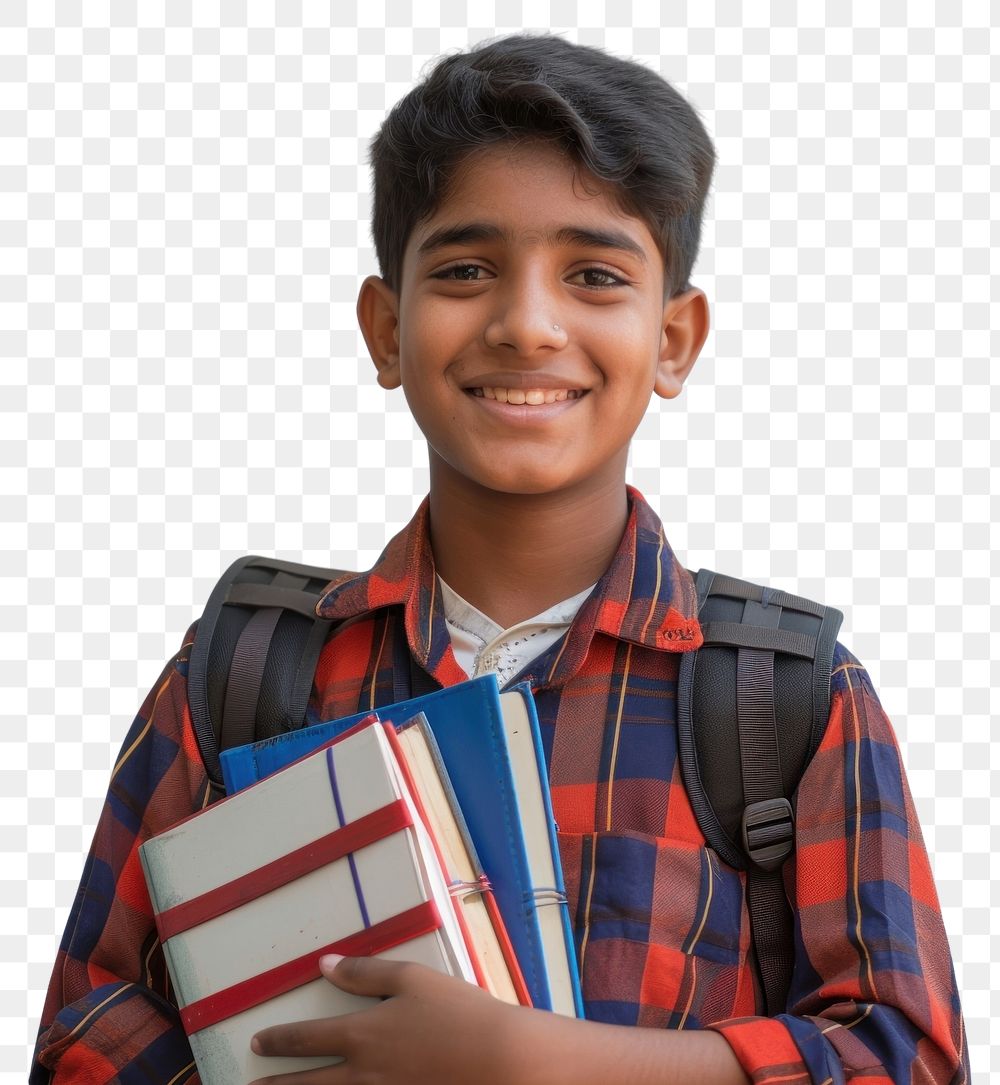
x,y
481,645
461,613
646,597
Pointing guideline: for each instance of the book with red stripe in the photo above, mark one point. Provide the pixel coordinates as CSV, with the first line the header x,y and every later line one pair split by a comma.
x,y
490,945
329,855
491,749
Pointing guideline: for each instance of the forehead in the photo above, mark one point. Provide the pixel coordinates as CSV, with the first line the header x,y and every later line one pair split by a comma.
x,y
530,192
529,158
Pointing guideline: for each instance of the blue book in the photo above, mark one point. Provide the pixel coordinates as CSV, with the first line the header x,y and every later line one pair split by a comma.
x,y
491,747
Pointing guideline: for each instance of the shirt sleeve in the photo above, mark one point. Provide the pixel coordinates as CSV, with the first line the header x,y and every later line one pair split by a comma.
x,y
109,1013
873,989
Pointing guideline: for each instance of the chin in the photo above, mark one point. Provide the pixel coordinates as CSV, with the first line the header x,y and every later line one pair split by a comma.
x,y
527,484
532,477
525,489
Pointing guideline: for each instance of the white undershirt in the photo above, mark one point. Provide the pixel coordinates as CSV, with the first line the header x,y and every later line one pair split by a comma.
x,y
481,646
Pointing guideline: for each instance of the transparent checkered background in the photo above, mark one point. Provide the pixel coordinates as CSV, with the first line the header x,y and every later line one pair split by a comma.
x,y
183,226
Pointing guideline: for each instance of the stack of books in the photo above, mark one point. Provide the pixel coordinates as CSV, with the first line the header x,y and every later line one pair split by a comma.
x,y
421,832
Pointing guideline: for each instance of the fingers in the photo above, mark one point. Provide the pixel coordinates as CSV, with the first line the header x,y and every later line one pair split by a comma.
x,y
325,1075
369,975
351,1035
331,1035
301,1039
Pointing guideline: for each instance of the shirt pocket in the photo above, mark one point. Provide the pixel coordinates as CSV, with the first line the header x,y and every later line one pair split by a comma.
x,y
660,925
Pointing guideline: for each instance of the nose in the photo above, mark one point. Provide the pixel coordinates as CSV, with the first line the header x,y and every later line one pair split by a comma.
x,y
526,318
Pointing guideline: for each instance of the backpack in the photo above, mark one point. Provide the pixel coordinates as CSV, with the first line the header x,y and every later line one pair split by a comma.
x,y
752,706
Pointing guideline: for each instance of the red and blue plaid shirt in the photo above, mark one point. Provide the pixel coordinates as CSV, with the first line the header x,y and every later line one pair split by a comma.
x,y
661,925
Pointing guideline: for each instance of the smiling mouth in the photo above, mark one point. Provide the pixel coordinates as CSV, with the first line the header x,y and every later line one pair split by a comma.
x,y
532,397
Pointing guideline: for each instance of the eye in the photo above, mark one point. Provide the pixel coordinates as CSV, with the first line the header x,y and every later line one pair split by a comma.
x,y
598,278
465,273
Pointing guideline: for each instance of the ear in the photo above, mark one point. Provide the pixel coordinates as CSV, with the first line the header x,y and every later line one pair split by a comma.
x,y
378,318
685,327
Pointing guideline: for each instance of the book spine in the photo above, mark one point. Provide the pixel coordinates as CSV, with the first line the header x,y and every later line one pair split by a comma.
x,y
486,889
509,956
404,768
560,884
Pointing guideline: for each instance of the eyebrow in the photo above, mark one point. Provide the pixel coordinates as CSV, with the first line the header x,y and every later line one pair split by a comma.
x,y
470,232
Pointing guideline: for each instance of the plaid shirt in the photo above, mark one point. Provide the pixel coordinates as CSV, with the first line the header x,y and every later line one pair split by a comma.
x,y
661,926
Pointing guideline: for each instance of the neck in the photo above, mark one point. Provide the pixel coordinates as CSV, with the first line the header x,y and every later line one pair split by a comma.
x,y
514,555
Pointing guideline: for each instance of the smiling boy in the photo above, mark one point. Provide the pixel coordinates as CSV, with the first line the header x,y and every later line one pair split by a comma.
x,y
537,213
528,333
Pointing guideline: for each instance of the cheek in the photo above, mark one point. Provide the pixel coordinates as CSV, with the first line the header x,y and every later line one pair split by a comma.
x,y
428,351
436,319
621,336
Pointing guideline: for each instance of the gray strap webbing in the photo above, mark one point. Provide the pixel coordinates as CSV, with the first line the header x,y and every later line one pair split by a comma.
x,y
744,589
246,671
771,920
769,640
255,654
760,765
277,594
759,756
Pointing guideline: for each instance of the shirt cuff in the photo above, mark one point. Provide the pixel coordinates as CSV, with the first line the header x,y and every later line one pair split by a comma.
x,y
111,1034
765,1049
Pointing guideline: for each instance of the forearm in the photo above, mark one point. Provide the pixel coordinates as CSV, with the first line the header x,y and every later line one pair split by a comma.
x,y
551,1050
432,1027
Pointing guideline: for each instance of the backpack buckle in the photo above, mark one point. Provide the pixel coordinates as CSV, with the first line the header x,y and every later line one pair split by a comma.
x,y
769,832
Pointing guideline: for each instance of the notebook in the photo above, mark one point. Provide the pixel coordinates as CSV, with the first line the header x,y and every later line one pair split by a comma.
x,y
467,721
328,855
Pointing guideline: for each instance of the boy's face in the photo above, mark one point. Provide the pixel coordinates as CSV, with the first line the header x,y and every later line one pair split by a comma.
x,y
530,327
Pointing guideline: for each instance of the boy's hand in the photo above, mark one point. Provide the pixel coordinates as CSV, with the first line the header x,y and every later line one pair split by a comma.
x,y
436,1028
431,1027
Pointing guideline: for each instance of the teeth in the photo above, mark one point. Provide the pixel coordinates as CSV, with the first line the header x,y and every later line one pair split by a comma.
x,y
532,396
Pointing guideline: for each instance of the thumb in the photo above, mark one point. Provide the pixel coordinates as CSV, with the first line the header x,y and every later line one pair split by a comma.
x,y
362,975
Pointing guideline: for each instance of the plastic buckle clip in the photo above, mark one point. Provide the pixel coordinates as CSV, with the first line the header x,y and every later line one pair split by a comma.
x,y
769,832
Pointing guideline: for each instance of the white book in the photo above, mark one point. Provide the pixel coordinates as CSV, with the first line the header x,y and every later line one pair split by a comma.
x,y
469,885
531,788
221,965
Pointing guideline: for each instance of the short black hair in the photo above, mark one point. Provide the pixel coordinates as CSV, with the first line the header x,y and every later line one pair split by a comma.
x,y
621,121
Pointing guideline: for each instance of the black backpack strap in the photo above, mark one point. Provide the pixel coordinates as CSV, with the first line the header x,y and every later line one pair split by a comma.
x,y
752,705
254,655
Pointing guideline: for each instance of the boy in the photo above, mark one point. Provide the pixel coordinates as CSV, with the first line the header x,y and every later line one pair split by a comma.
x,y
537,213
